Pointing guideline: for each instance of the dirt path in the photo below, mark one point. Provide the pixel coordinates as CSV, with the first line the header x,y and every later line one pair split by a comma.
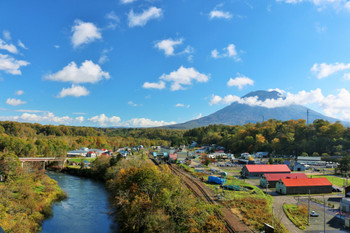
x,y
278,202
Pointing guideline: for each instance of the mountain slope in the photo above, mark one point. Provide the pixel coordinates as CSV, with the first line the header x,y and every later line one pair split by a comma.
x,y
239,114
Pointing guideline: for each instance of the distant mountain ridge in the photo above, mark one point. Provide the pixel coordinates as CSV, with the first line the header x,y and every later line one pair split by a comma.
x,y
239,114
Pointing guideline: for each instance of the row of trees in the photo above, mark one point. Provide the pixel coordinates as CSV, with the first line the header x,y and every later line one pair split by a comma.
x,y
280,137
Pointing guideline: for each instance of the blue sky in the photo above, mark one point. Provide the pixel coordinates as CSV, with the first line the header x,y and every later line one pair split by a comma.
x,y
140,63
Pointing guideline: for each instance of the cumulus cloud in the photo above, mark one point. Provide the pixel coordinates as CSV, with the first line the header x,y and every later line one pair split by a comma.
x,y
240,82
88,72
8,47
103,120
229,51
84,33
15,102
10,65
160,85
183,77
333,105
324,70
142,18
179,105
19,92
104,58
47,117
168,45
80,119
144,122
75,91
220,14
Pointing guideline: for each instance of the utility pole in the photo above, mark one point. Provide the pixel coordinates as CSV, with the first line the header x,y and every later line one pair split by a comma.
x,y
324,214
308,209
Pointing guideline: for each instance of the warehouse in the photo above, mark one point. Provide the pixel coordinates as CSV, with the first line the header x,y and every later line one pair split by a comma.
x,y
272,179
256,171
304,186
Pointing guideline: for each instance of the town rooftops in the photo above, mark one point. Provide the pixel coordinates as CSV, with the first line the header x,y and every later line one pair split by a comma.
x,y
268,168
320,181
277,177
306,158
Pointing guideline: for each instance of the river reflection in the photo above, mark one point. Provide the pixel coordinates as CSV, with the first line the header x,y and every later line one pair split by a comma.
x,y
85,210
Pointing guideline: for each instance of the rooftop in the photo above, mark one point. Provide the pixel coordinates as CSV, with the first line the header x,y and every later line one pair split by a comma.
x,y
320,181
277,177
267,168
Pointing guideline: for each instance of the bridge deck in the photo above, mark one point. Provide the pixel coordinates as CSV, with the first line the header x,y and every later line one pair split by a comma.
x,y
41,159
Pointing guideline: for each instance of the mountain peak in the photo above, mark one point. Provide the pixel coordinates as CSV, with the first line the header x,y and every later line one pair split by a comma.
x,y
263,95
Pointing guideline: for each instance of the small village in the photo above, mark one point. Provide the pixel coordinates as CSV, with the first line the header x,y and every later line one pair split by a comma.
x,y
283,182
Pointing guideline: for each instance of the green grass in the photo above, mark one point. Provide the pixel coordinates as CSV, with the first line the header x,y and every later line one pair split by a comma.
x,y
337,181
298,215
78,160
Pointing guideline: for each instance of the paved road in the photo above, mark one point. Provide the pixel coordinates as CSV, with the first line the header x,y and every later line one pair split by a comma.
x,y
278,202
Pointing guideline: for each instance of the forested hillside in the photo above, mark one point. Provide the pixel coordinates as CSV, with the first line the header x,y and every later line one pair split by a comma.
x,y
280,137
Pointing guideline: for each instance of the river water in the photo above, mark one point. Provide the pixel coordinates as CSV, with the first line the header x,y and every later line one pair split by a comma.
x,y
85,210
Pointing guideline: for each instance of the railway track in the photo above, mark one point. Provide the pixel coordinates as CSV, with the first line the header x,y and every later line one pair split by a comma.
x,y
233,224
205,196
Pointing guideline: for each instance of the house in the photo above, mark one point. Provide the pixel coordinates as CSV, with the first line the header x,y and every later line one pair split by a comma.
x,y
345,205
80,152
172,157
310,160
262,154
295,166
256,171
304,186
272,179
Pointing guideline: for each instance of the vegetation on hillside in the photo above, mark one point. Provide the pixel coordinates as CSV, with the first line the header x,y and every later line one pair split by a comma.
x,y
26,197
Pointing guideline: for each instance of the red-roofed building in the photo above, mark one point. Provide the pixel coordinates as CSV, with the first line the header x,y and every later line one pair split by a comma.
x,y
256,171
272,179
304,185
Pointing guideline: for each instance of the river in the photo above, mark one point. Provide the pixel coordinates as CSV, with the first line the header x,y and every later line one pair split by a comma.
x,y
85,210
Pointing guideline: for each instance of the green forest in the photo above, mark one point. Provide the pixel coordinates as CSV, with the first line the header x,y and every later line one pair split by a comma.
x,y
292,137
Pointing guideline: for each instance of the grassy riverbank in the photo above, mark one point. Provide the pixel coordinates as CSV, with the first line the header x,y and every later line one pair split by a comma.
x,y
26,201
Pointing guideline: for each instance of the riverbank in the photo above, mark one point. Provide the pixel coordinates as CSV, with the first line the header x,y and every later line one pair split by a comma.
x,y
26,201
86,209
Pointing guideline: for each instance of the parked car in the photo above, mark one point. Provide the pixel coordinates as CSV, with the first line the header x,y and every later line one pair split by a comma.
x,y
314,214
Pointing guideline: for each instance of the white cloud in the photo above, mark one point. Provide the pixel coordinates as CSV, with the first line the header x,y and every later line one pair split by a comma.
x,y
200,115
57,46
103,120
278,90
75,91
11,65
333,105
114,20
15,102
220,14
19,92
84,33
142,18
80,119
47,117
323,70
104,58
144,122
168,45
88,72
183,77
6,34
179,105
346,76
160,85
20,44
132,104
8,47
321,4
229,51
127,1
240,82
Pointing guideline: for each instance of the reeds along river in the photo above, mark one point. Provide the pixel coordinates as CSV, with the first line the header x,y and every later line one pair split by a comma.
x,y
85,210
